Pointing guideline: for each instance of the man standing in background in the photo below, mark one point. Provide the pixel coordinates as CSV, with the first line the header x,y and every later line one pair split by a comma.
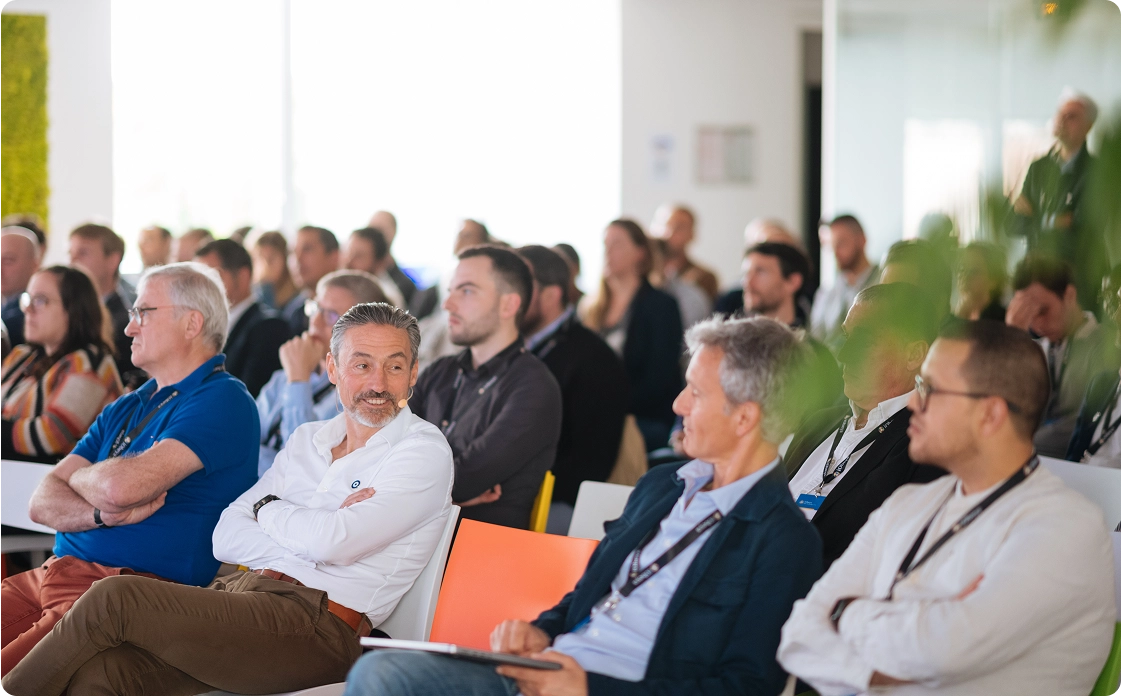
x,y
855,272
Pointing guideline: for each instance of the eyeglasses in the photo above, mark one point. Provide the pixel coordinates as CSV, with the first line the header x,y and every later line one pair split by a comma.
x,y
140,314
27,301
925,390
311,308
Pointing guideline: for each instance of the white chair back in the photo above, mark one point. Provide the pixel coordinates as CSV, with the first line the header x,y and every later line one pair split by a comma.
x,y
412,617
597,503
18,480
1101,485
1117,571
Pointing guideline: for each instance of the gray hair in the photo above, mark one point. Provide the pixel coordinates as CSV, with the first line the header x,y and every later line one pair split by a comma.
x,y
1070,94
362,285
195,286
381,314
759,356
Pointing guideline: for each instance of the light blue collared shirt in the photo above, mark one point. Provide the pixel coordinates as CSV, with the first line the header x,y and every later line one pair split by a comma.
x,y
537,338
293,403
618,643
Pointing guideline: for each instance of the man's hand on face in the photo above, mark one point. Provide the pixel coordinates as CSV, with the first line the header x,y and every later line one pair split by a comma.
x,y
134,515
518,638
570,680
300,356
1022,310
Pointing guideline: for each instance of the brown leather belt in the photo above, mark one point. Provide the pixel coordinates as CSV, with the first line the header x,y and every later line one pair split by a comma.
x,y
356,620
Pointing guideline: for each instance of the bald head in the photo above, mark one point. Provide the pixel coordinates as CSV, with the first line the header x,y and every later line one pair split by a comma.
x,y
762,230
19,259
386,222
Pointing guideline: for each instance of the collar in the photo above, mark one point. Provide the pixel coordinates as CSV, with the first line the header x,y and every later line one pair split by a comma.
x,y
697,474
541,336
883,410
1069,166
239,309
503,357
188,383
333,431
862,279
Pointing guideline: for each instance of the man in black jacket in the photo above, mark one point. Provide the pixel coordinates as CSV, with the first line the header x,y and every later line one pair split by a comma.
x,y
593,383
845,461
256,332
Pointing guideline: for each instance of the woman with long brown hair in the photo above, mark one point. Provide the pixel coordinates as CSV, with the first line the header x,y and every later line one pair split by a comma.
x,y
642,325
55,384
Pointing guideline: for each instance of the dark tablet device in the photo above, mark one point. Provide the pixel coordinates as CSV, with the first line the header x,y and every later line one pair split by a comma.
x,y
460,652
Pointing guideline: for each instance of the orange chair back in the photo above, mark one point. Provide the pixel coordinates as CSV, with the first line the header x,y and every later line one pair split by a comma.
x,y
497,573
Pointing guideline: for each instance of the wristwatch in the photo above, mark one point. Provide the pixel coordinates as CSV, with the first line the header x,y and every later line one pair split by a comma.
x,y
97,519
263,502
839,608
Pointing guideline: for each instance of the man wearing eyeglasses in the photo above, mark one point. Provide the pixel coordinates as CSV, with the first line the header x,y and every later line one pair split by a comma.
x,y
300,392
994,579
845,461
142,491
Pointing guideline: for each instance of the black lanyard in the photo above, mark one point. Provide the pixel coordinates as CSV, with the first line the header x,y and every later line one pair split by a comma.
x,y
828,476
636,577
446,423
1108,428
910,565
123,440
272,436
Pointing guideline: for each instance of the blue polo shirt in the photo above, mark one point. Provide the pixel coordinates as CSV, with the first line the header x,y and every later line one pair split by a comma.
x,y
216,418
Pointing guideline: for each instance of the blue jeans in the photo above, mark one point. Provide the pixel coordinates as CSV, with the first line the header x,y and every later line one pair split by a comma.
x,y
408,673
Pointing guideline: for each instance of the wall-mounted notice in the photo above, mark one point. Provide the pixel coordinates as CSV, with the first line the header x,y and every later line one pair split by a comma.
x,y
661,158
725,155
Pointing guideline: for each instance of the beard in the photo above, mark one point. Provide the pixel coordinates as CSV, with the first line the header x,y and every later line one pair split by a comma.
x,y
469,334
373,416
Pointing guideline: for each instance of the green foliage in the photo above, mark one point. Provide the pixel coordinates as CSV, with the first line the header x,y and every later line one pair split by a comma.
x,y
24,183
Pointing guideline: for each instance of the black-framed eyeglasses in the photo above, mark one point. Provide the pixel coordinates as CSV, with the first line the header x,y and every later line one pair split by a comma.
x,y
925,390
311,308
27,301
140,314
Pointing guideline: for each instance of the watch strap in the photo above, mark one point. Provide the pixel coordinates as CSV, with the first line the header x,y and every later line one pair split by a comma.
x,y
263,502
97,519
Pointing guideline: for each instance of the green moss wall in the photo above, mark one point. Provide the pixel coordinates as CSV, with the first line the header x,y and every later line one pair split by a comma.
x,y
24,184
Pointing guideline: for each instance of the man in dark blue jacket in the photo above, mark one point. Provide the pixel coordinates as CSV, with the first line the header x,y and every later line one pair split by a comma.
x,y
688,591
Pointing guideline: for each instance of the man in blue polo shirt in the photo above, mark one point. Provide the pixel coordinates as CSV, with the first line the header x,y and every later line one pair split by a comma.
x,y
142,491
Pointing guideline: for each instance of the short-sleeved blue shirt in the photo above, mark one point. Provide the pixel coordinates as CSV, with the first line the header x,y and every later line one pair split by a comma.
x,y
216,418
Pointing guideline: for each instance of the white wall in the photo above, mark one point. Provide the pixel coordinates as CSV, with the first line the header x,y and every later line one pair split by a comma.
x,y
80,114
715,62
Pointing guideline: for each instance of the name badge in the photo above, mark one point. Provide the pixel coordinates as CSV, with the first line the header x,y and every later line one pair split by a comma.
x,y
810,502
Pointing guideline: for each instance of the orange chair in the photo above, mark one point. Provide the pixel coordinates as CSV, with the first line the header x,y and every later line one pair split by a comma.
x,y
498,573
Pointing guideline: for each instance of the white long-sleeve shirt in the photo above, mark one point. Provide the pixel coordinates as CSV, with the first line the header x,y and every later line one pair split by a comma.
x,y
1040,621
365,556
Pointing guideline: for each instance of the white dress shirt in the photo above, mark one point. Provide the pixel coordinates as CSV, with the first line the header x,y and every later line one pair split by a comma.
x,y
811,473
1040,621
365,556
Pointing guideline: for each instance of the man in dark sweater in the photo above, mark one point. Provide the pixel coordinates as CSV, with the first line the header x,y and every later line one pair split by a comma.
x,y
592,379
498,406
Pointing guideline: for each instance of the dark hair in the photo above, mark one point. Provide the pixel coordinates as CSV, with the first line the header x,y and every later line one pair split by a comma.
x,y
549,268
900,309
568,251
272,240
326,237
1004,361
486,232
28,221
933,273
639,239
232,257
996,266
790,260
848,221
509,269
87,318
1052,273
376,238
111,242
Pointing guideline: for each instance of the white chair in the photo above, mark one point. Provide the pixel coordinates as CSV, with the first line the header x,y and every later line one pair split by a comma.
x,y
18,480
412,617
1101,485
597,503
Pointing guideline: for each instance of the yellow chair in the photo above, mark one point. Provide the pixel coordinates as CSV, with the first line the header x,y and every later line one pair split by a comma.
x,y
540,514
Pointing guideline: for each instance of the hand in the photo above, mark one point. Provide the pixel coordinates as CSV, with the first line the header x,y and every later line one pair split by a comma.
x,y
518,638
570,680
881,679
133,515
299,357
357,497
485,497
1063,221
1022,310
1022,206
971,588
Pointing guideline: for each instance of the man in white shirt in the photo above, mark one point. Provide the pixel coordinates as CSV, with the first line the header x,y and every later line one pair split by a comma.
x,y
995,579
845,461
335,532
855,272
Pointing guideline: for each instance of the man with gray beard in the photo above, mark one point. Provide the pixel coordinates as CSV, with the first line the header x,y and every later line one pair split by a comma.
x,y
335,533
498,405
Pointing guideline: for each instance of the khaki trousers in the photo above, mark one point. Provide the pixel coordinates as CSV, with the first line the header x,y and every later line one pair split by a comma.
x,y
245,633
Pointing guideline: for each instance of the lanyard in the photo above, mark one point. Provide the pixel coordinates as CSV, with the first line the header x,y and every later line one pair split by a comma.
x,y
272,437
446,423
1108,428
122,441
910,565
828,476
